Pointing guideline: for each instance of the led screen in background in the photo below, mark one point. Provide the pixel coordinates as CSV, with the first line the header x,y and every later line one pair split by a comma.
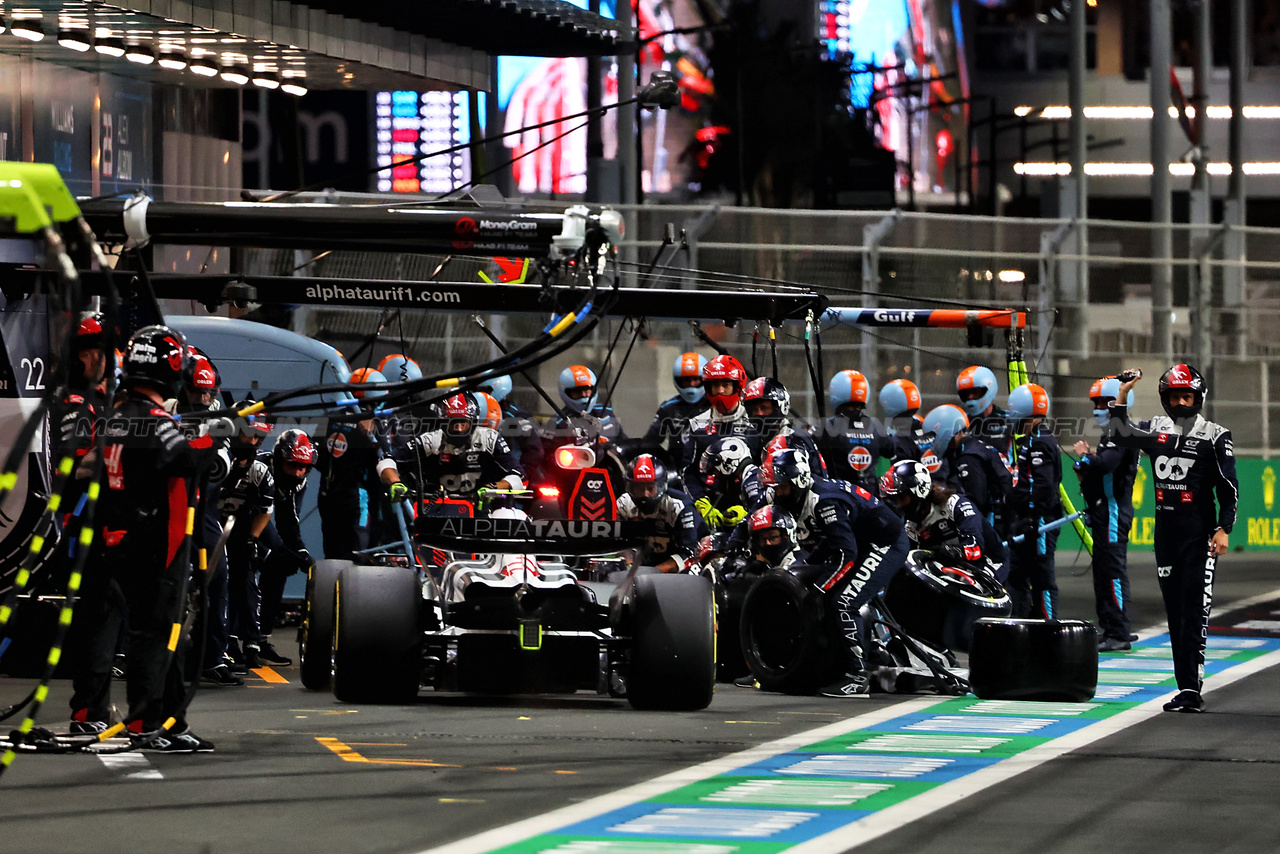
x,y
409,124
891,43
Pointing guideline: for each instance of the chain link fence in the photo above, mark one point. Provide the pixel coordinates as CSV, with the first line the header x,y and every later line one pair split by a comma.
x,y
1087,292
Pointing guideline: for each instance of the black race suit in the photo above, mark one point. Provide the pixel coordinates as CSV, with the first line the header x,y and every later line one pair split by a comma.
x,y
676,528
1106,482
152,473
666,434
248,491
978,471
1190,463
862,543
959,536
283,536
852,447
1033,584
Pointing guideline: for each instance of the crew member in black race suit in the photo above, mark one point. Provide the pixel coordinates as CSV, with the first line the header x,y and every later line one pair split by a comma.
x,y
152,472
1106,482
852,442
73,423
858,540
1192,459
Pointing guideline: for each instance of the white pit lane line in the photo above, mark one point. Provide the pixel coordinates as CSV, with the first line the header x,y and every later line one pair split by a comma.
x,y
883,821
130,766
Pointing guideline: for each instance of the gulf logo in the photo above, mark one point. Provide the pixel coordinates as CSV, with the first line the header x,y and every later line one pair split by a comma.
x,y
860,458
931,462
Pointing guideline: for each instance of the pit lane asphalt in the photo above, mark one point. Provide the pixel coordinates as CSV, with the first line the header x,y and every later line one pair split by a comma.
x,y
297,771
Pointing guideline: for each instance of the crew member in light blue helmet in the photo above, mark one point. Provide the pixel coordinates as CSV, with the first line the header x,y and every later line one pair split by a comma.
x,y
900,403
1106,481
976,387
587,417
1036,501
665,434
852,442
947,425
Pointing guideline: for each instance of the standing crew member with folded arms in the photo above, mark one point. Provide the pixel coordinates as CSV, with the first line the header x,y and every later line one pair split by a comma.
x,y
1192,460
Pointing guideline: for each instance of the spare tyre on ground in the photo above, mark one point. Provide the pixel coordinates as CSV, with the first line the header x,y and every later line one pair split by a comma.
x,y
1050,660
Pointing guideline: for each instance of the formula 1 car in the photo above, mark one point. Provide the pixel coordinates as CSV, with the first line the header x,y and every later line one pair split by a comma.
x,y
510,619
791,643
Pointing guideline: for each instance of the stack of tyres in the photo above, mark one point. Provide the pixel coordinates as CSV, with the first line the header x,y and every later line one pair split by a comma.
x,y
1049,660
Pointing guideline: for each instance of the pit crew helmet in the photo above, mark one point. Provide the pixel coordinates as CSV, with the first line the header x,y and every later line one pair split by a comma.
x,y
791,440
461,414
772,518
91,333
1028,401
364,376
574,378
982,379
910,478
498,387
688,366
399,368
1101,393
789,467
489,409
767,390
159,357
899,397
252,430
1183,378
293,446
646,482
202,376
848,390
944,422
723,464
728,369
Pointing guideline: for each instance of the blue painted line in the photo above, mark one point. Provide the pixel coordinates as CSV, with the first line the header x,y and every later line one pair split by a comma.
x,y
921,769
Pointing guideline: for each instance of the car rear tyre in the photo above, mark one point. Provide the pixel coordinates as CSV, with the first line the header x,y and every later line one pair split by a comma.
x,y
787,639
315,650
377,641
673,665
939,604
1051,660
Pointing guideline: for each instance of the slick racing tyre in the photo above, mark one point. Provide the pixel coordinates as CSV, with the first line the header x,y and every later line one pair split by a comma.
x,y
939,604
1052,660
315,652
377,643
787,639
673,643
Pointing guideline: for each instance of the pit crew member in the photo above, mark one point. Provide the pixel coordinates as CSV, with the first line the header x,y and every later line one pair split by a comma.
x,y
1193,460
976,386
671,421
1106,481
152,476
290,461
456,460
851,441
673,544
852,532
941,521
900,403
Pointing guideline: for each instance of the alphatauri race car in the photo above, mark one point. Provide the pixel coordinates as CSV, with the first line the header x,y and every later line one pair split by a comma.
x,y
510,615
